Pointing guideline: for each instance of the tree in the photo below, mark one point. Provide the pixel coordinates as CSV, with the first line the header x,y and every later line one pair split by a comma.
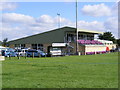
x,y
118,42
0,43
107,36
4,42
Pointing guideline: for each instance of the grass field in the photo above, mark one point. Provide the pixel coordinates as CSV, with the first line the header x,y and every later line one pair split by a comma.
x,y
91,71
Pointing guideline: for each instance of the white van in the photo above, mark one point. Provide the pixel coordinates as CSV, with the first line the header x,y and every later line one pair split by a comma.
x,y
22,52
56,51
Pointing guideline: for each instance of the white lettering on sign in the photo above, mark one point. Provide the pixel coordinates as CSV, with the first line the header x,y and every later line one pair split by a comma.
x,y
59,44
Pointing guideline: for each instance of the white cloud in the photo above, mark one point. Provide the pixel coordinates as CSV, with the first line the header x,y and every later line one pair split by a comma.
x,y
94,25
24,25
18,25
46,19
13,32
111,24
7,6
17,18
96,10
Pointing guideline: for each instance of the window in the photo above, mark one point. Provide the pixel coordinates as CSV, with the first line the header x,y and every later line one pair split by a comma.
x,y
56,49
22,46
74,37
70,37
37,46
84,36
40,46
80,36
17,45
34,46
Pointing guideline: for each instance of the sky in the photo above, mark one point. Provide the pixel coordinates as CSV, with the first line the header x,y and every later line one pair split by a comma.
x,y
21,19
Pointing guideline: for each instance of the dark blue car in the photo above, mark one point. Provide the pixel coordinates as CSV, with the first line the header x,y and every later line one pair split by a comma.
x,y
9,53
35,53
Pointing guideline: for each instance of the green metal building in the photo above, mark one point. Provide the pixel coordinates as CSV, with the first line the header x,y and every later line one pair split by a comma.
x,y
46,39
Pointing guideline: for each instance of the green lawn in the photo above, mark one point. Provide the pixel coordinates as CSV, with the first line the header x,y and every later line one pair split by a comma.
x,y
91,71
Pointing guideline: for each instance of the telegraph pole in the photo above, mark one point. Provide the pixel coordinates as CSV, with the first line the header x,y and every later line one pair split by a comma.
x,y
76,27
58,20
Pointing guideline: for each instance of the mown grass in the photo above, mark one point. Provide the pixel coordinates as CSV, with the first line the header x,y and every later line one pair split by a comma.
x,y
91,71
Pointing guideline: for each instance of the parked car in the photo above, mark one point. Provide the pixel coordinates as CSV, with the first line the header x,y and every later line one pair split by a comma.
x,y
115,50
21,52
118,49
42,53
36,53
55,52
9,52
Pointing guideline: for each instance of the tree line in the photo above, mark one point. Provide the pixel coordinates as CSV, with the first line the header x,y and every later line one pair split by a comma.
x,y
4,43
109,36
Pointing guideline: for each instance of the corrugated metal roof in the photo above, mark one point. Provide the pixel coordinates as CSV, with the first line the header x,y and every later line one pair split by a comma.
x,y
52,36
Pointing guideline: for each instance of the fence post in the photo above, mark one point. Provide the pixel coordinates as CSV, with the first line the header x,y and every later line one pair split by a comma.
x,y
45,55
95,52
39,55
18,55
33,55
25,55
9,57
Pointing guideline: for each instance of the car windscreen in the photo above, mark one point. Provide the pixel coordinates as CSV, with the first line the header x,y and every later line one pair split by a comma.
x,y
10,49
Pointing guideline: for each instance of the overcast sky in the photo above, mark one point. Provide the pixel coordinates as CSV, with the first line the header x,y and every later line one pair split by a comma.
x,y
22,19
